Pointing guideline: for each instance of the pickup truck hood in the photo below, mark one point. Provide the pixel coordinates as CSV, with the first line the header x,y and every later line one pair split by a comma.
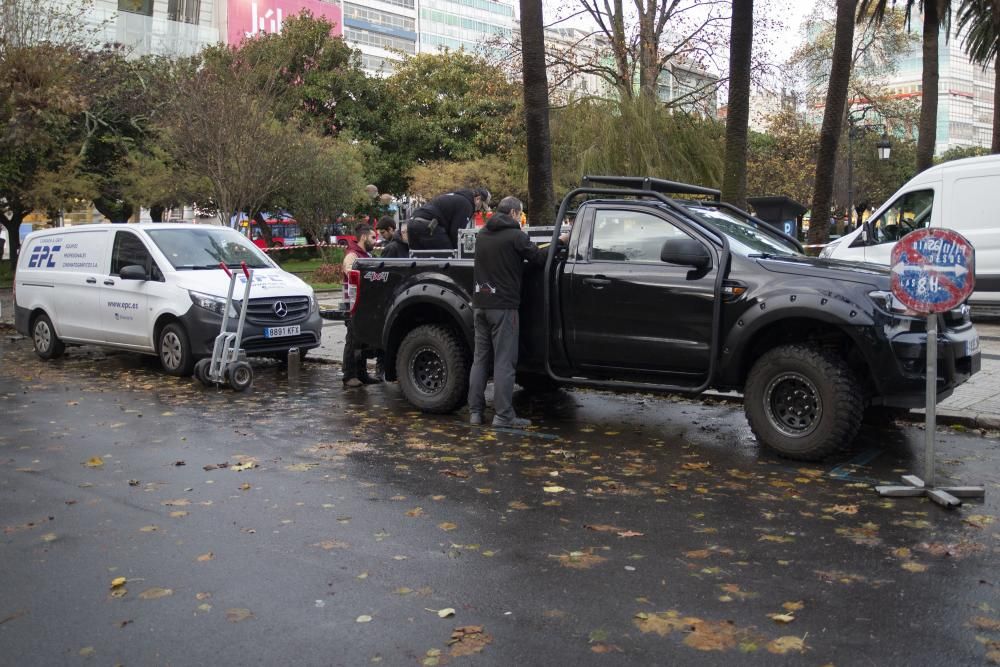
x,y
266,283
829,269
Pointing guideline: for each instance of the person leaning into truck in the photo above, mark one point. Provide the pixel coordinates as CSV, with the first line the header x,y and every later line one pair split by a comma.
x,y
354,366
393,243
501,251
435,225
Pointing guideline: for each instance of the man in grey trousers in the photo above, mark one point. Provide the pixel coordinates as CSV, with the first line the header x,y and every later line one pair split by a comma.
x,y
501,251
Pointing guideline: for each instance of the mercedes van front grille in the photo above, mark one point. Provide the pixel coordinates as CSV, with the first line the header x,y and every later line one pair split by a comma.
x,y
278,310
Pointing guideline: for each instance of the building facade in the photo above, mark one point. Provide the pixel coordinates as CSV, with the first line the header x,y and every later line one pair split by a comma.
x,y
160,27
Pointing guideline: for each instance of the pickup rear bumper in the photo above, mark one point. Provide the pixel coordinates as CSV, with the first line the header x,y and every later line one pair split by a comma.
x,y
903,381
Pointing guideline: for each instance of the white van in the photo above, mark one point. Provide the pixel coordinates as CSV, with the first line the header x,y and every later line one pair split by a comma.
x,y
157,289
963,195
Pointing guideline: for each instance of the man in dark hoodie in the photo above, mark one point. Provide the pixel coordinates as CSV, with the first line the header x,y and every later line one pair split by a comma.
x,y
501,251
435,225
393,243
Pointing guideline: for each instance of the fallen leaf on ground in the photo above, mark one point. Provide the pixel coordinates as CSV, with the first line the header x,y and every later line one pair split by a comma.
x,y
243,465
579,560
468,639
447,525
979,520
793,606
913,566
630,533
445,613
236,615
94,462
149,529
602,528
553,489
695,466
842,509
415,512
204,558
986,623
244,486
178,514
118,581
327,545
781,618
155,592
363,618
787,644
180,502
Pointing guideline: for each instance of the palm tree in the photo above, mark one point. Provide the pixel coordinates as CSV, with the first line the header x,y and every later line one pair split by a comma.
x,y
541,200
937,13
734,184
833,120
979,20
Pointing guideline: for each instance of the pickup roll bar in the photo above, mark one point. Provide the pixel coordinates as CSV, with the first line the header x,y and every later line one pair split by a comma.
x,y
716,306
648,184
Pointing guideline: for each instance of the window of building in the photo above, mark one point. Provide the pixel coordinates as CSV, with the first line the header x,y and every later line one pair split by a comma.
x,y
378,17
184,11
136,6
407,4
369,38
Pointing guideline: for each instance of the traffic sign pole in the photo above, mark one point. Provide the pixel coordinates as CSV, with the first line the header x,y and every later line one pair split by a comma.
x,y
921,262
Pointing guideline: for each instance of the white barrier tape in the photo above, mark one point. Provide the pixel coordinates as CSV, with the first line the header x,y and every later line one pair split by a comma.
x,y
305,245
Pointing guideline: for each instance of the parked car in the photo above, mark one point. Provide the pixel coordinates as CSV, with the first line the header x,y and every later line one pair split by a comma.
x,y
963,195
673,295
156,289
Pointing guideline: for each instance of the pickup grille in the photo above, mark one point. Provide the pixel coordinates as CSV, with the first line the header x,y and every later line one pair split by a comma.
x,y
262,311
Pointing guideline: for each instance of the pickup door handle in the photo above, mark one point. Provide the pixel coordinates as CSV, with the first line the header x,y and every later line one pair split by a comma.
x,y
597,282
109,282
91,281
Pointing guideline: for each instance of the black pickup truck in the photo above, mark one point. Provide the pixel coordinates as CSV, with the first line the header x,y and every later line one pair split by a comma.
x,y
663,288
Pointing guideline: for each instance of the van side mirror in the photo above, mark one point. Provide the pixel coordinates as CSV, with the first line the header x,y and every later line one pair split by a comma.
x,y
133,272
686,252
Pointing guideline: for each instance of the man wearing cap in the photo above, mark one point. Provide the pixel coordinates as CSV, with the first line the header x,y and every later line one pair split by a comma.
x,y
435,225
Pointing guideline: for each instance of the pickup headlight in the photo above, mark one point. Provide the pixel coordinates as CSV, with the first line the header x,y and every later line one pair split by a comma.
x,y
214,304
887,303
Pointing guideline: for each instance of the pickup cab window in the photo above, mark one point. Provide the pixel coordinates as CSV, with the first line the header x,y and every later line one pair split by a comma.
x,y
630,236
911,211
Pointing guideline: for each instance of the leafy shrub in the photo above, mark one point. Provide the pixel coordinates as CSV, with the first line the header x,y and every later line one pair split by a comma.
x,y
328,273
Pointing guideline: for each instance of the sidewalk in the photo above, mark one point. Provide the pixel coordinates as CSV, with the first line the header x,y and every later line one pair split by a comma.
x,y
975,404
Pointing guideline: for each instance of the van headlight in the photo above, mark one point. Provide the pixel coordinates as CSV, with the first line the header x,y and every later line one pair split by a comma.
x,y
211,303
313,304
827,251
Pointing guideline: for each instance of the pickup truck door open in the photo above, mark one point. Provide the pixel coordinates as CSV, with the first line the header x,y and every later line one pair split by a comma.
x,y
629,313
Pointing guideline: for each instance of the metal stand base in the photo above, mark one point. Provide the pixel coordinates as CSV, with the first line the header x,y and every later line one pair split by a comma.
x,y
946,497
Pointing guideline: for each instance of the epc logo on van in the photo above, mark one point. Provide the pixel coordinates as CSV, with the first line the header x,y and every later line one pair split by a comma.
x,y
43,257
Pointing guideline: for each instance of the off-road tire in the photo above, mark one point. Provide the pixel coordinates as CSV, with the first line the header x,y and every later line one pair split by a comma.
x,y
174,350
43,336
432,365
803,403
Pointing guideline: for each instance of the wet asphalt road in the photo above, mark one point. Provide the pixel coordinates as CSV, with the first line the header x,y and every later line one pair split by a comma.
x,y
623,530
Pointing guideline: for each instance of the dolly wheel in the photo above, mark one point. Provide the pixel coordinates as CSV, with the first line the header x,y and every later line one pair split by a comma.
x,y
201,371
240,375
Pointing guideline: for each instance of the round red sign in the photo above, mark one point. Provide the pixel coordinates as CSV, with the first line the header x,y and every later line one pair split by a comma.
x,y
933,270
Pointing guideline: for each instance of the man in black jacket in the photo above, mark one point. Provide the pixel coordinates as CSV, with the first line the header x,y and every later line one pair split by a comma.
x,y
435,225
501,251
393,243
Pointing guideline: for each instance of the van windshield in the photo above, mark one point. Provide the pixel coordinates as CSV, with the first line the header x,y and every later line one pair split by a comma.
x,y
193,249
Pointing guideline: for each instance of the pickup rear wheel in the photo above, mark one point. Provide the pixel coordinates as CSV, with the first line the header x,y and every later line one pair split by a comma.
x,y
803,403
432,365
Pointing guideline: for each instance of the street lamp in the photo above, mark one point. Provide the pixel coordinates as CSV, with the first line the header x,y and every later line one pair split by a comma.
x,y
855,120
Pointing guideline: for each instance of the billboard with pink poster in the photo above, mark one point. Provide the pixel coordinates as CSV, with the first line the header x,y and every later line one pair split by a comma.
x,y
249,17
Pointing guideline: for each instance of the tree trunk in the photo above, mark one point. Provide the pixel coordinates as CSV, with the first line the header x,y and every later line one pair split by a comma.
x,y
995,147
927,136
541,199
649,54
156,212
734,184
114,209
833,120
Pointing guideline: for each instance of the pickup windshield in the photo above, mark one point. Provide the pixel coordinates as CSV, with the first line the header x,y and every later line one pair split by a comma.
x,y
744,237
194,249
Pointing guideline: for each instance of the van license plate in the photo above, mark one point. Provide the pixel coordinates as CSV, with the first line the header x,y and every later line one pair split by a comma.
x,y
280,332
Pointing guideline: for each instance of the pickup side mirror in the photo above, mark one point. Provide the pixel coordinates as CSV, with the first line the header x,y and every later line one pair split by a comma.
x,y
686,252
133,272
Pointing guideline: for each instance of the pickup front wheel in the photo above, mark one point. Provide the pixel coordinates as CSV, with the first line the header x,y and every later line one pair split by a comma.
x,y
802,402
433,369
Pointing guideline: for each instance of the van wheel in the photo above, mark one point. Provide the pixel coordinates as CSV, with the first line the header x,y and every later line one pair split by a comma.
x,y
803,403
433,369
175,350
43,335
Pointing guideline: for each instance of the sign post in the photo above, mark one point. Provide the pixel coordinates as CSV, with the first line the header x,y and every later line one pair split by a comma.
x,y
933,271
